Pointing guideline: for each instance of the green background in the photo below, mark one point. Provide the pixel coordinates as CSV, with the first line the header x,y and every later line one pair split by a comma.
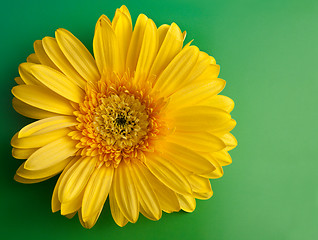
x,y
268,55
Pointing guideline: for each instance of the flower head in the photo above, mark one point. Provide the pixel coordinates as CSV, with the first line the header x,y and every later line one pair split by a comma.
x,y
140,123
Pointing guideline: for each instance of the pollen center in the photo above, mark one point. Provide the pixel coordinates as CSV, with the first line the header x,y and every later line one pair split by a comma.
x,y
121,120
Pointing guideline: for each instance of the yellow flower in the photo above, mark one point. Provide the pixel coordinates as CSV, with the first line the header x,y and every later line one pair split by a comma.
x,y
141,123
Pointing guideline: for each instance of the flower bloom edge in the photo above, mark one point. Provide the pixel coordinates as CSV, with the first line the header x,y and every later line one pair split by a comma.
x,y
141,123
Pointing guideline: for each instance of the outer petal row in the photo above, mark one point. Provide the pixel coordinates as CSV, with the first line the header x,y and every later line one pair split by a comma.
x,y
106,48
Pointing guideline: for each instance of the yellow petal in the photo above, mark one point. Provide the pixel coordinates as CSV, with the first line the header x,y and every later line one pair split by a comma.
x,y
168,174
187,202
28,181
147,197
125,192
47,125
21,153
148,51
96,191
171,39
135,43
186,158
221,102
184,34
218,172
125,10
43,98
119,12
106,49
229,140
201,186
162,32
123,30
58,82
26,75
36,141
43,173
225,128
51,154
73,205
76,179
77,54
56,55
146,214
29,111
211,72
197,141
223,157
118,217
198,93
19,80
55,203
42,56
89,223
199,118
188,44
172,78
167,198
202,65
32,58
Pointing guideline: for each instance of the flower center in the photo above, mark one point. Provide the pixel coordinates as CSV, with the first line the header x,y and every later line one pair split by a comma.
x,y
121,120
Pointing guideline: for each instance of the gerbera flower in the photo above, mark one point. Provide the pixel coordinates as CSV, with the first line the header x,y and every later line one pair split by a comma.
x,y
140,123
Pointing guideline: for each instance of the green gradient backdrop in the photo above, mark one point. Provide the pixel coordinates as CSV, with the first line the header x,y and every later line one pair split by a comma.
x,y
268,55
